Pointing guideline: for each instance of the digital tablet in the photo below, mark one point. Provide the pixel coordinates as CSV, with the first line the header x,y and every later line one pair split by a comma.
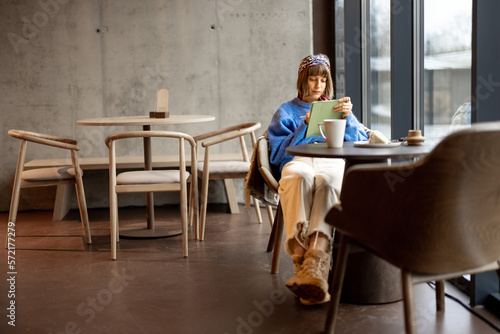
x,y
321,110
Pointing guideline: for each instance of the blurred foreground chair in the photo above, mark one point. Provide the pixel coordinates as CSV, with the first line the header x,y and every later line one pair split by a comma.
x,y
42,177
226,170
435,219
153,180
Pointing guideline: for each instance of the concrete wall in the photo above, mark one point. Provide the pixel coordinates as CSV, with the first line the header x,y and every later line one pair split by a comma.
x,y
62,60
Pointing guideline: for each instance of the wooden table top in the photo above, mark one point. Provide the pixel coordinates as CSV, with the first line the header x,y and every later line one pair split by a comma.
x,y
145,120
349,151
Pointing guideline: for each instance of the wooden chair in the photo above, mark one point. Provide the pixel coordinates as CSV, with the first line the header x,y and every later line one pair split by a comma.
x,y
49,176
435,219
227,170
152,180
265,170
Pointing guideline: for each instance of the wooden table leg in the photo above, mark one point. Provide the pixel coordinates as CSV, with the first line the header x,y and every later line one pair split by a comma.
x,y
148,165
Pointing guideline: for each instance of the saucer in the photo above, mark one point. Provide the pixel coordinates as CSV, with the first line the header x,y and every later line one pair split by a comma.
x,y
376,145
415,140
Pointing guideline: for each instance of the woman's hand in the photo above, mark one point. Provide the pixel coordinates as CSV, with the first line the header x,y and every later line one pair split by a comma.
x,y
345,106
308,115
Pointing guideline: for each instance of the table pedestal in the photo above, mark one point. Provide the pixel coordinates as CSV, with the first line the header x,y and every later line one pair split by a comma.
x,y
370,280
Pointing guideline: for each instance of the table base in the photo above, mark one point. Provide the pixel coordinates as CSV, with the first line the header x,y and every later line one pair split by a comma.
x,y
370,280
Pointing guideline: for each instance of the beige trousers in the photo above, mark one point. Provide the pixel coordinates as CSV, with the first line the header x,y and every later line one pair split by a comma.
x,y
308,189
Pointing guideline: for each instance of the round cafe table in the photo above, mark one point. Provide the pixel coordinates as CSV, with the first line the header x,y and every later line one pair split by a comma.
x,y
368,279
355,155
150,231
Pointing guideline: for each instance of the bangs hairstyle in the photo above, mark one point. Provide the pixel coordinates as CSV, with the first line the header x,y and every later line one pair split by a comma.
x,y
315,70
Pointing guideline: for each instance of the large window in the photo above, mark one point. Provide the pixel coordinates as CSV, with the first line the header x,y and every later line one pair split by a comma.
x,y
339,50
379,72
447,66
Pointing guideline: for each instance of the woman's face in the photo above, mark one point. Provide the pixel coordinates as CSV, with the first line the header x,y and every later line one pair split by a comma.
x,y
316,85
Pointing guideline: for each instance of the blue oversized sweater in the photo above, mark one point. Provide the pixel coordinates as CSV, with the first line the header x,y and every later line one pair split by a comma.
x,y
288,129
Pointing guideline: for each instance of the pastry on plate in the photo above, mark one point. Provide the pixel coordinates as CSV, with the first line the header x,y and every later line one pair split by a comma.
x,y
377,137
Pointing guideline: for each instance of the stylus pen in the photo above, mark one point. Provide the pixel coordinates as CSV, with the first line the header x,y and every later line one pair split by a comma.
x,y
302,117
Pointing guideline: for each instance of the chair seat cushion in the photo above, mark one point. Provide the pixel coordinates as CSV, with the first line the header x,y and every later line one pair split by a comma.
x,y
49,173
149,177
226,167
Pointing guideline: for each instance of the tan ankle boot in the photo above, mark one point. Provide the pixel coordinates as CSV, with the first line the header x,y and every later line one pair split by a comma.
x,y
310,283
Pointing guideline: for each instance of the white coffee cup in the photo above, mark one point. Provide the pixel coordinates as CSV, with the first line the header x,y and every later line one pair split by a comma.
x,y
334,132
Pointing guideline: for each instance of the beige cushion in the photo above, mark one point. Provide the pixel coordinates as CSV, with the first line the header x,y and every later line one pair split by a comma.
x,y
50,173
149,177
225,167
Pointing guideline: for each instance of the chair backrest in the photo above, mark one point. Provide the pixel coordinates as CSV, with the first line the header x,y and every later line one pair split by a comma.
x,y
235,131
149,134
44,139
47,140
438,215
264,164
182,137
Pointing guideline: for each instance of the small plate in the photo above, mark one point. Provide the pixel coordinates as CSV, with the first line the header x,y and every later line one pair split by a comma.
x,y
378,145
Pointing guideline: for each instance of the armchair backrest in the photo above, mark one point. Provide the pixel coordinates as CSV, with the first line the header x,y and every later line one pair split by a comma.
x,y
438,215
236,131
182,137
47,140
44,139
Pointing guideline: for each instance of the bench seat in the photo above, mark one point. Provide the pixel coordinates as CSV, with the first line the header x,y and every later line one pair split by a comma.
x,y
63,193
126,162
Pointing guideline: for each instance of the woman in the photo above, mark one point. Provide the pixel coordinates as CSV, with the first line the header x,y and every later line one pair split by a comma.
x,y
309,187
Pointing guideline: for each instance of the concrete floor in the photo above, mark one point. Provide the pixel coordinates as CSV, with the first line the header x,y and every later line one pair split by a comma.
x,y
63,285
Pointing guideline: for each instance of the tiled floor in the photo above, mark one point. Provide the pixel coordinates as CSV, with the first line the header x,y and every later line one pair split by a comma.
x,y
224,286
